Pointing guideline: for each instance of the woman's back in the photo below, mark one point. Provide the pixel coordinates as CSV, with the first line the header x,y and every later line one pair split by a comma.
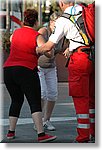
x,y
23,48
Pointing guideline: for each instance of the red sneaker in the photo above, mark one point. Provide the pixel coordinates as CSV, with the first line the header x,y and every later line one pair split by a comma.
x,y
10,135
46,138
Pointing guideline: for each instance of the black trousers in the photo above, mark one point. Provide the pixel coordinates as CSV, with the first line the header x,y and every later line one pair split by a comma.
x,y
22,81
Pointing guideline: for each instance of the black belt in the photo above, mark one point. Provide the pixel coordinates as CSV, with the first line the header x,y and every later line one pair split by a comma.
x,y
82,49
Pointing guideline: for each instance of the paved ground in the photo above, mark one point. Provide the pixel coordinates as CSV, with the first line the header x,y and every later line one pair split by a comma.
x,y
63,118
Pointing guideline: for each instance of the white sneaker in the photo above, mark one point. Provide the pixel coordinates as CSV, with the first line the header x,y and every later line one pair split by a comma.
x,y
47,125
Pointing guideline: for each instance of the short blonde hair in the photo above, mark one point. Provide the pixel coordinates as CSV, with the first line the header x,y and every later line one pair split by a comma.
x,y
68,1
55,16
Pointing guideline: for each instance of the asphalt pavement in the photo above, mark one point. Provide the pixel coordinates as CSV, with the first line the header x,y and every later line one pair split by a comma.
x,y
63,118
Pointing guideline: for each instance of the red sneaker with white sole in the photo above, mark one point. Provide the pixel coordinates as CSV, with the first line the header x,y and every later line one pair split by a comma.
x,y
46,138
10,135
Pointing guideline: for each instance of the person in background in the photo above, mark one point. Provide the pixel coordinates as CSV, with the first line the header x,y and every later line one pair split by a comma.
x,y
81,74
48,74
21,74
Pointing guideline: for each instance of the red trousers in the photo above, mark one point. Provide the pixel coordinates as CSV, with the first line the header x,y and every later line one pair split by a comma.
x,y
81,78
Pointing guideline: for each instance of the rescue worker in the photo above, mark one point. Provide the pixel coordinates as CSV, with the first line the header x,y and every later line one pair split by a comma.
x,y
80,71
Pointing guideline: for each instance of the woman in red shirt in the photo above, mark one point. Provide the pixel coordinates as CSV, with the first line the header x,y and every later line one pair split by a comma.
x,y
21,76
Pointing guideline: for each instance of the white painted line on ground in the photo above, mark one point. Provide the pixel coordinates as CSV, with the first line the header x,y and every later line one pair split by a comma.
x,y
65,104
5,122
63,84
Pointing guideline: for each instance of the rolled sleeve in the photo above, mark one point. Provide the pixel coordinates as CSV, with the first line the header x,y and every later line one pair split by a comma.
x,y
58,32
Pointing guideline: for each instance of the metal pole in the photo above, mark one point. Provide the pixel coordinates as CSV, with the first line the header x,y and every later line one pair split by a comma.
x,y
23,9
8,15
12,23
39,12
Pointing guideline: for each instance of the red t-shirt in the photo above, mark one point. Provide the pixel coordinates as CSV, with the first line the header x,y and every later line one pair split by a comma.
x,y
23,48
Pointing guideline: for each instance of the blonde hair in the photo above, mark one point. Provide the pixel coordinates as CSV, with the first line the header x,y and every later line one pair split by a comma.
x,y
68,1
55,16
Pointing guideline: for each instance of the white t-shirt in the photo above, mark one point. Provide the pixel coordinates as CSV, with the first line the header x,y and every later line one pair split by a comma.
x,y
64,27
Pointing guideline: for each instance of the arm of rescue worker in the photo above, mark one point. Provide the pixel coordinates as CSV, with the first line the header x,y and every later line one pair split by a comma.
x,y
62,45
67,53
57,34
44,32
45,47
